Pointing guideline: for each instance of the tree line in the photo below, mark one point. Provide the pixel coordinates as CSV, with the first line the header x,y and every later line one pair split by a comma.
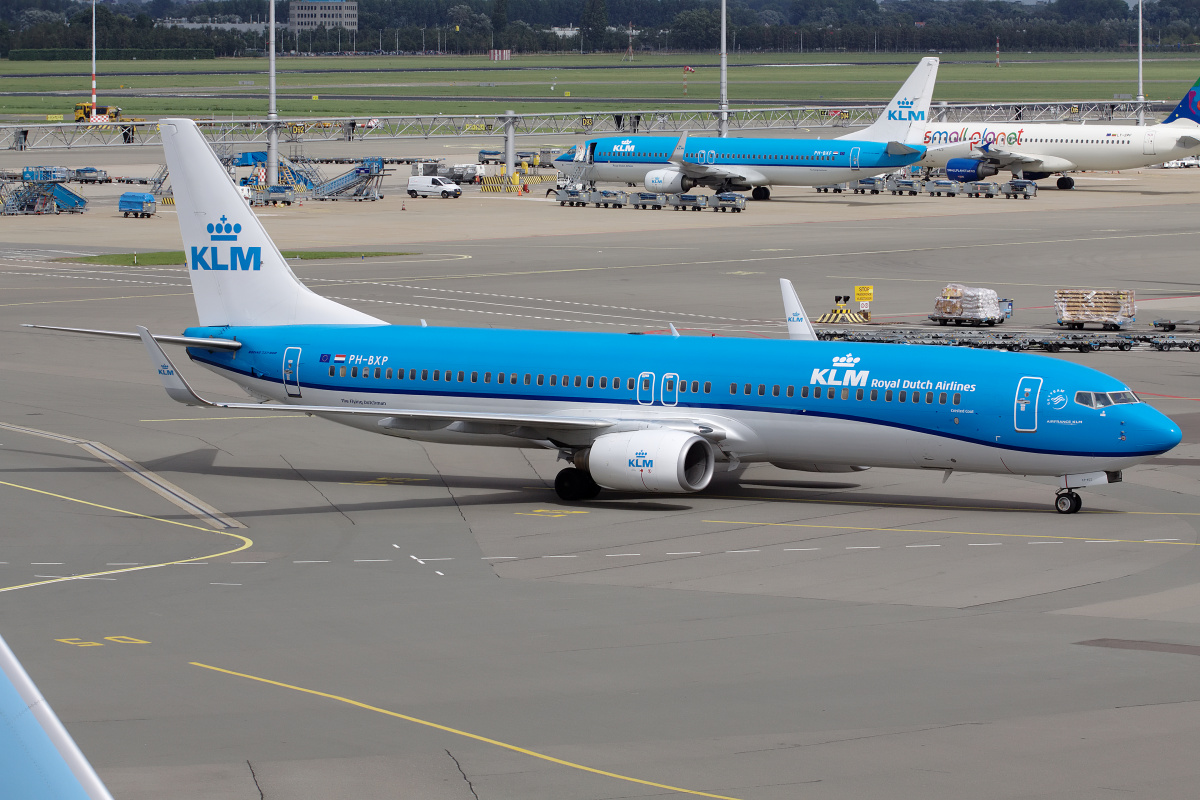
x,y
471,26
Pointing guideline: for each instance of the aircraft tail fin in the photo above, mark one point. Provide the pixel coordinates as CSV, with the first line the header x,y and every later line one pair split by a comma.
x,y
905,117
1188,110
238,275
799,326
38,757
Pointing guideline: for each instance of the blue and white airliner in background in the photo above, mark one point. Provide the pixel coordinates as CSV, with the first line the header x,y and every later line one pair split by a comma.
x,y
629,413
677,163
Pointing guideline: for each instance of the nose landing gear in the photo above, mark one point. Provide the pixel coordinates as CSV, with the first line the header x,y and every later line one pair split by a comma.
x,y
1066,502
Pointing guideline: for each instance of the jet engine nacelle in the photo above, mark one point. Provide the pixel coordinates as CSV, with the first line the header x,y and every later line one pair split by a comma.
x,y
668,181
650,461
968,169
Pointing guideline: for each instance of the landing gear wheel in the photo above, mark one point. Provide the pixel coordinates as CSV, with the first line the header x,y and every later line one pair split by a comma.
x,y
1066,183
1068,502
761,193
573,484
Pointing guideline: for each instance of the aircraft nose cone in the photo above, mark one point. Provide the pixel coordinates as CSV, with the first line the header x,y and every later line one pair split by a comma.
x,y
1157,433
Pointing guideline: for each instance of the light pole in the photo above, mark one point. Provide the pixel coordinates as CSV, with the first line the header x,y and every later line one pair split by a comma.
x,y
93,58
1141,95
723,117
272,116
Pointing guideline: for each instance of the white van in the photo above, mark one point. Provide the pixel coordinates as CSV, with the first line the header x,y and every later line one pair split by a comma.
x,y
432,186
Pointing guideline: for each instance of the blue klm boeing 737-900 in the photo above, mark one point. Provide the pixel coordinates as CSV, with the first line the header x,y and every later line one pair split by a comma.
x,y
676,163
630,413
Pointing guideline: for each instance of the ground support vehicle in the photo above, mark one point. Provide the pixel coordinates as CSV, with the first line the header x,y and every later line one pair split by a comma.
x,y
1172,324
687,202
837,188
1013,341
943,186
90,175
1019,188
139,204
432,186
981,189
865,185
648,200
607,198
571,197
728,201
909,186
491,156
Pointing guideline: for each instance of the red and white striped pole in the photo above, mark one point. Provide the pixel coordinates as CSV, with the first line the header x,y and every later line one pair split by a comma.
x,y
997,52
93,58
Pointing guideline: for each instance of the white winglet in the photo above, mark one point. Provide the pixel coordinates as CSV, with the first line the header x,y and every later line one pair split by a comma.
x,y
677,153
172,381
674,332
798,323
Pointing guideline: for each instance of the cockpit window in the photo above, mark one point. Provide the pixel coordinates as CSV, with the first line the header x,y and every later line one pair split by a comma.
x,y
1105,399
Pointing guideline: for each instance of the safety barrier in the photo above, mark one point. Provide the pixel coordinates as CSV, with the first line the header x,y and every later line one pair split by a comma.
x,y
513,183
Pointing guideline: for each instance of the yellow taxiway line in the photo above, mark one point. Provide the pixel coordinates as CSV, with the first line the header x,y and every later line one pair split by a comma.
x,y
245,541
457,732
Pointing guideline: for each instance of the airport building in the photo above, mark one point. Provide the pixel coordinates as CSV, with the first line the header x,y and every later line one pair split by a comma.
x,y
307,16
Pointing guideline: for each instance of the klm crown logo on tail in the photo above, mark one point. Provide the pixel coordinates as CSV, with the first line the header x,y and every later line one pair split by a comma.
x,y
905,112
639,460
238,258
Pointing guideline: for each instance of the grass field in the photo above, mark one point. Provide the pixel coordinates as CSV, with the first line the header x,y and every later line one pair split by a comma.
x,y
175,257
454,85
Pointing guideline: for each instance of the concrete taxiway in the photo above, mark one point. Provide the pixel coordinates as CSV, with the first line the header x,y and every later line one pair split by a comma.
x,y
376,618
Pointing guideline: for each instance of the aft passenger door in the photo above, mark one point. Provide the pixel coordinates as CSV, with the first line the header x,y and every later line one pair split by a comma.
x,y
1025,404
1148,144
855,152
291,371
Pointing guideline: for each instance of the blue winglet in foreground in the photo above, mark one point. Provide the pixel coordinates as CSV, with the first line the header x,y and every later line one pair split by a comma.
x,y
38,758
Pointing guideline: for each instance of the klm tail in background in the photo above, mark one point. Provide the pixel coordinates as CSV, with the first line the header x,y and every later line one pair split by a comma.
x,y
38,758
907,114
1188,110
238,275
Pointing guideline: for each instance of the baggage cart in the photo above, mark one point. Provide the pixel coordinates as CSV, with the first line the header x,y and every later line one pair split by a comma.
x,y
871,185
943,186
728,201
648,200
139,204
688,202
837,188
569,196
909,186
1018,188
981,189
607,198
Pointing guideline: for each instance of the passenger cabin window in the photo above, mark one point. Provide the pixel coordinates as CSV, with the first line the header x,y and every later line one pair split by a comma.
x,y
956,399
331,369
388,376
887,396
591,383
487,377
791,390
499,377
746,389
354,372
528,378
733,388
541,380
377,373
437,374
554,380
707,387
341,372
632,383
460,376
412,374
804,391
645,384
512,378
603,381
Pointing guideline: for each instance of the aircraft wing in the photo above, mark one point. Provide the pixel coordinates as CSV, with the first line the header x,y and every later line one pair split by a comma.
x,y
709,172
1006,159
530,426
38,758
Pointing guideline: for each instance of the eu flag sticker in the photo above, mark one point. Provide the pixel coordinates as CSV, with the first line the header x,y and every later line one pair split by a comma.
x,y
325,358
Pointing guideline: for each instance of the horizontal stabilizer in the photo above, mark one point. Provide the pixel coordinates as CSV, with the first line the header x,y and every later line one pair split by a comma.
x,y
186,341
900,149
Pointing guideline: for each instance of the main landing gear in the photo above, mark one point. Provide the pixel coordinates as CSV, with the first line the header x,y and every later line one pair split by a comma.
x,y
761,193
1066,183
573,484
1065,502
